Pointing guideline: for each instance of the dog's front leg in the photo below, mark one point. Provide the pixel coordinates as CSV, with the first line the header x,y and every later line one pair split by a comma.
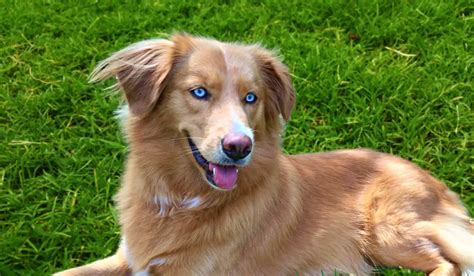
x,y
113,265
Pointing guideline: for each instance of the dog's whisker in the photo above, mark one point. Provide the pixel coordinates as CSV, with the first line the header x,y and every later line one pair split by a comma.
x,y
183,138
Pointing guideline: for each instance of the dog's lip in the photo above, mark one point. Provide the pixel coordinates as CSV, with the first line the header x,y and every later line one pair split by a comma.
x,y
197,155
205,164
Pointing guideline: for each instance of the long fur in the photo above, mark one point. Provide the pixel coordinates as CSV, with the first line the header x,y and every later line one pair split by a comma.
x,y
312,214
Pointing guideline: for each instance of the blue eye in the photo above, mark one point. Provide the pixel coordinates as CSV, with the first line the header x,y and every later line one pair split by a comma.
x,y
200,93
250,98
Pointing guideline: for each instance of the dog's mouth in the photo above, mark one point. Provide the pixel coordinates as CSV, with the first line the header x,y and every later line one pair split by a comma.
x,y
221,177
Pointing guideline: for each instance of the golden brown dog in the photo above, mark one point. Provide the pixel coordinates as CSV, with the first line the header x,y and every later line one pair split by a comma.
x,y
207,190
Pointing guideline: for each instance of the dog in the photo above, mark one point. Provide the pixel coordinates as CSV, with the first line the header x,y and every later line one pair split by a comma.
x,y
207,190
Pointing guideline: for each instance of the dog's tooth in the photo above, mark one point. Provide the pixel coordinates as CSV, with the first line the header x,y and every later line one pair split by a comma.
x,y
237,170
213,171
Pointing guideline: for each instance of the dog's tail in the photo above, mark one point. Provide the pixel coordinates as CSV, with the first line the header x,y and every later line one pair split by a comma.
x,y
455,237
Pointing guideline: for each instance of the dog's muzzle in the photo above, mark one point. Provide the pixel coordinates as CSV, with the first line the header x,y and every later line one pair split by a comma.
x,y
223,175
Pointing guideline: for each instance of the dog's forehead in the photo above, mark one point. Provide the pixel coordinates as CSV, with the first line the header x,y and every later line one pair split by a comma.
x,y
222,58
207,58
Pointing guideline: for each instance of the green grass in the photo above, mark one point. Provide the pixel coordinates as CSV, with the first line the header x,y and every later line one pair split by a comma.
x,y
405,87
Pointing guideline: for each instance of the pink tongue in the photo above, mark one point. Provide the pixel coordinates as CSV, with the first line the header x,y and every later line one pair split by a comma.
x,y
224,176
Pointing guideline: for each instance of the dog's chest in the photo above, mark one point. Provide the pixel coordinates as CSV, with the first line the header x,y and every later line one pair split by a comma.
x,y
174,238
206,260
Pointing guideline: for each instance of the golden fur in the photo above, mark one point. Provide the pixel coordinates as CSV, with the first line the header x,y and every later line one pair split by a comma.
x,y
346,210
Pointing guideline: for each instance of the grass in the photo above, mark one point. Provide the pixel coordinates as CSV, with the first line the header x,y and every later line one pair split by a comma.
x,y
395,76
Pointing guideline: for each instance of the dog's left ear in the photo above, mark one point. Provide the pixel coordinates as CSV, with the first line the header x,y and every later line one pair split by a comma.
x,y
277,80
141,70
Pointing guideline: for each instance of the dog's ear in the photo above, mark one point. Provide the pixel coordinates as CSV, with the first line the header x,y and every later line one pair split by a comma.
x,y
183,44
141,70
281,95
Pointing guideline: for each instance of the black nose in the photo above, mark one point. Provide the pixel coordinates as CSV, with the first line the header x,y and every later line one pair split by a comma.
x,y
236,146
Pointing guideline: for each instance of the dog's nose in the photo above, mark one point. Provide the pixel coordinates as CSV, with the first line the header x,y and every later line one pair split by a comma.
x,y
236,146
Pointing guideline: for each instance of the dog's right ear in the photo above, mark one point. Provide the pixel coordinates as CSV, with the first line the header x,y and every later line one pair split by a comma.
x,y
141,70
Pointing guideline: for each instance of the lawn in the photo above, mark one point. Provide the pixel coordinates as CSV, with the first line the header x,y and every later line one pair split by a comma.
x,y
391,76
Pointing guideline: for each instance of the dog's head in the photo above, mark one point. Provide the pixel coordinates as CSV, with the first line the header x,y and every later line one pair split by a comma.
x,y
221,98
